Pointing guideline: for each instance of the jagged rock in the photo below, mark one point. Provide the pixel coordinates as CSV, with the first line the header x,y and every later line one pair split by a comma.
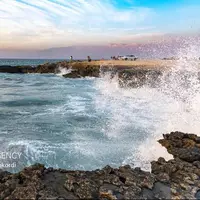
x,y
81,70
183,146
3,174
128,77
174,179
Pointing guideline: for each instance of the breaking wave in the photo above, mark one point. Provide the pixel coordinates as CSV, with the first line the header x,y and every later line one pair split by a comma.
x,y
172,105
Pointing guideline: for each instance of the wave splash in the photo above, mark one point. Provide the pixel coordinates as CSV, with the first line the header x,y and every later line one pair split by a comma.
x,y
94,122
63,71
172,105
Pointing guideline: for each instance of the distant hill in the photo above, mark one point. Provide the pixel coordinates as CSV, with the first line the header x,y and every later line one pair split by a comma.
x,y
150,50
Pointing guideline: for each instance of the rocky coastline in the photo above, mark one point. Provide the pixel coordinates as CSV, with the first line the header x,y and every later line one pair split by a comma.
x,y
178,178
134,76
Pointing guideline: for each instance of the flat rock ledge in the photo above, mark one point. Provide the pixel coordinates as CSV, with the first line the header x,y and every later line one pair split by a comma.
x,y
128,76
178,178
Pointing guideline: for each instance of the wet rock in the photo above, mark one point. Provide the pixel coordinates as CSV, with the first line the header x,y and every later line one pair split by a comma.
x,y
147,194
73,74
159,191
3,174
110,191
178,178
138,77
79,70
183,146
197,196
16,69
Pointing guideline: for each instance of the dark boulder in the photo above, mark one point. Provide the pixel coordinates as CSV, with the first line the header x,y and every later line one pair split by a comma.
x,y
183,146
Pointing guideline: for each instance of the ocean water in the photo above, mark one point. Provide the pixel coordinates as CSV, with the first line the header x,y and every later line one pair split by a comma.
x,y
88,123
31,62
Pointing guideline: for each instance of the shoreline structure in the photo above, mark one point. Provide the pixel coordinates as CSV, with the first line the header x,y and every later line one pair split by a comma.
x,y
178,178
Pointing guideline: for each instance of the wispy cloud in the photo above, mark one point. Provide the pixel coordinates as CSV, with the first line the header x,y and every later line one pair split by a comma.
x,y
39,24
63,22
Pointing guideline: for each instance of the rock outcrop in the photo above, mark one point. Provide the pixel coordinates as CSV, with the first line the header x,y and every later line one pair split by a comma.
x,y
83,71
128,76
178,178
183,146
183,172
16,69
45,68
79,69
138,77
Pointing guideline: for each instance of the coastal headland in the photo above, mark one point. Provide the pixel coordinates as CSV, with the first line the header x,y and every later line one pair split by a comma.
x,y
178,178
118,64
130,73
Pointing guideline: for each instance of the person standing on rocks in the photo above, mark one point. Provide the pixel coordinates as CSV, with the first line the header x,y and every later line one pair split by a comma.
x,y
89,59
71,58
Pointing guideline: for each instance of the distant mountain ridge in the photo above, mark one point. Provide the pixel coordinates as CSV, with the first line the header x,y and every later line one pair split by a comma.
x,y
150,50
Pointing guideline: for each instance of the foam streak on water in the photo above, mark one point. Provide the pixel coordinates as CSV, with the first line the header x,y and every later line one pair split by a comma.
x,y
89,123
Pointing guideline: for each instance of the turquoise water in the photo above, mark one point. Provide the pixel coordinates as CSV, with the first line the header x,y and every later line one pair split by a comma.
x,y
67,123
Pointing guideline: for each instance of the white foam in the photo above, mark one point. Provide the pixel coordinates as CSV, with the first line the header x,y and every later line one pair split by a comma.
x,y
64,71
173,105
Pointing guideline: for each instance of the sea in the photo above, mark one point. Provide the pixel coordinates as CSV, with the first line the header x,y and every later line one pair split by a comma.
x,y
88,123
25,62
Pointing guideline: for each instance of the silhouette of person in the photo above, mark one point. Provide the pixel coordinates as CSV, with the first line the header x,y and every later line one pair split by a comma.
x,y
89,59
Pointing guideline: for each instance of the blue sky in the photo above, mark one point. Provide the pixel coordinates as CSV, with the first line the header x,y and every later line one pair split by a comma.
x,y
40,24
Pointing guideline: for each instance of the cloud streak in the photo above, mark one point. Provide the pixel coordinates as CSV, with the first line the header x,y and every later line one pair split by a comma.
x,y
63,22
40,24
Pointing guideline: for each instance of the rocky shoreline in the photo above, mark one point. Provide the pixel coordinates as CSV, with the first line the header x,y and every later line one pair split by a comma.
x,y
178,178
133,76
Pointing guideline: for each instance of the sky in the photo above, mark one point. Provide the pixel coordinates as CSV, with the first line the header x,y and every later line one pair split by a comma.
x,y
43,24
